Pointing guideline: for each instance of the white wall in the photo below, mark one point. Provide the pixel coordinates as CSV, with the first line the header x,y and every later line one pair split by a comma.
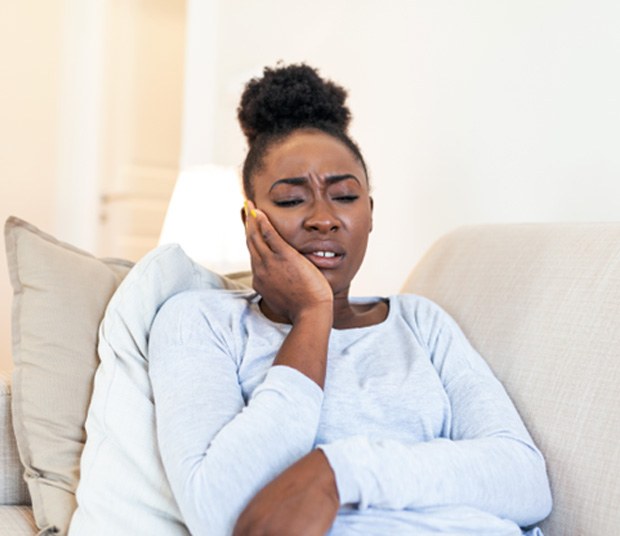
x,y
66,135
467,112
30,80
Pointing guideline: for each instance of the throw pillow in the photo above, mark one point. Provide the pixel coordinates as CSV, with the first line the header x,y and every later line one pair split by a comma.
x,y
123,488
60,294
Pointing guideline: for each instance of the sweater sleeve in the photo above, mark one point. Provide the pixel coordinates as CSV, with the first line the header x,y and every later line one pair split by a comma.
x,y
217,449
486,460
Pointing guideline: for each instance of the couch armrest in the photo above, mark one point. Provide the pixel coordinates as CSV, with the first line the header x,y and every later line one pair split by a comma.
x,y
13,489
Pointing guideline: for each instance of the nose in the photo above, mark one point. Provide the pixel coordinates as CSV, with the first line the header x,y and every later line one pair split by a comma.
x,y
321,218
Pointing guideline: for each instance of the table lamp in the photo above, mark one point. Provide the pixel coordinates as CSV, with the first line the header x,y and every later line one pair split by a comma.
x,y
204,217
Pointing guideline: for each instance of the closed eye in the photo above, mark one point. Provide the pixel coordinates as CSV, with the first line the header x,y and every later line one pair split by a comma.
x,y
346,198
288,202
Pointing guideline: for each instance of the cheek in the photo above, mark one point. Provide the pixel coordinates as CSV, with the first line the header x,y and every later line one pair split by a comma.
x,y
285,225
360,223
362,234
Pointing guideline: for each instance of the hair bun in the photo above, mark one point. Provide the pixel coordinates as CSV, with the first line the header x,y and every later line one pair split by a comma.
x,y
290,97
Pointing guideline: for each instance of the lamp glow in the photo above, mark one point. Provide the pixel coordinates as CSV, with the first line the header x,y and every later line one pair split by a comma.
x,y
204,217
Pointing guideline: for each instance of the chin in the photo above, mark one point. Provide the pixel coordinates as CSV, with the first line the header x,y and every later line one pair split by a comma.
x,y
338,287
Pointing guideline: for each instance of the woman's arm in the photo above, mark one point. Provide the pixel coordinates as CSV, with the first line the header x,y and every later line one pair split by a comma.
x,y
488,461
304,498
218,450
294,290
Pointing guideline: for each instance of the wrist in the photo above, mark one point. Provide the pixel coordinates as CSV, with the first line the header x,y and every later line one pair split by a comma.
x,y
318,314
306,345
326,475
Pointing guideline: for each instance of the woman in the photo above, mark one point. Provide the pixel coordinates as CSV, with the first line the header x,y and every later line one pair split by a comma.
x,y
296,409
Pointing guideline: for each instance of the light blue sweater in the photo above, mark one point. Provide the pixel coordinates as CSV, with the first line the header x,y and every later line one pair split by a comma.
x,y
421,436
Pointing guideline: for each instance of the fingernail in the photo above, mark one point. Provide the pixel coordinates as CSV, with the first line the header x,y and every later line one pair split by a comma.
x,y
245,207
253,212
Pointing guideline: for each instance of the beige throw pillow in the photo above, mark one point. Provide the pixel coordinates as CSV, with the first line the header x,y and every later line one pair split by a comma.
x,y
60,294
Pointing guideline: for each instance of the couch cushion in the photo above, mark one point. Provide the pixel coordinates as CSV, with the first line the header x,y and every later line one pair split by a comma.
x,y
12,486
60,293
541,302
17,521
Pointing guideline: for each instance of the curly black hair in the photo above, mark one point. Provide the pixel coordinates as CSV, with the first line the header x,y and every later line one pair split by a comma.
x,y
285,99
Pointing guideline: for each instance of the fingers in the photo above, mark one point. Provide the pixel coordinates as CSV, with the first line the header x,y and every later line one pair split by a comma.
x,y
259,250
261,234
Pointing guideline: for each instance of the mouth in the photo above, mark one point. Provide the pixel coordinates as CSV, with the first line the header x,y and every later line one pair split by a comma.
x,y
325,257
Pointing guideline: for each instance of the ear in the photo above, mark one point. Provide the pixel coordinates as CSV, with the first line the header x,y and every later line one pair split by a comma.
x,y
372,208
243,216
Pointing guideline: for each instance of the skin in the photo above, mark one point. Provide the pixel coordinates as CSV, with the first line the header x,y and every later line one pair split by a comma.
x,y
332,205
311,195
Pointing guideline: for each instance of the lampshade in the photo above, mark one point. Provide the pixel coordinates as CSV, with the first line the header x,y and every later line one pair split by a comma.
x,y
204,217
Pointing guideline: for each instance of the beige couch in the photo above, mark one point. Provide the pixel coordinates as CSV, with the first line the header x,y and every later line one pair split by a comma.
x,y
15,511
542,304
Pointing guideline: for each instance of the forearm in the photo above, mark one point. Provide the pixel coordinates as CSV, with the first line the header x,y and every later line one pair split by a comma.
x,y
305,347
213,467
499,475
219,449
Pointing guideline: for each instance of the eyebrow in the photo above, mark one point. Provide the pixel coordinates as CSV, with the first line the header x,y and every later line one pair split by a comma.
x,y
300,181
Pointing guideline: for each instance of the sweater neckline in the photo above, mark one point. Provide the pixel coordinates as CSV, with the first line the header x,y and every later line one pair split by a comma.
x,y
255,299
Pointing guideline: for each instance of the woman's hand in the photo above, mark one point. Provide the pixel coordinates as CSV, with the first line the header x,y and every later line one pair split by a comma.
x,y
302,501
287,281
295,290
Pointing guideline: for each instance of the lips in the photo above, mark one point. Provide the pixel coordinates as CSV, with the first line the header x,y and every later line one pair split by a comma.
x,y
325,255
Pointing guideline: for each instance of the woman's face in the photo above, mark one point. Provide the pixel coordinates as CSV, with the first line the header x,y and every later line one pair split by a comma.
x,y
316,194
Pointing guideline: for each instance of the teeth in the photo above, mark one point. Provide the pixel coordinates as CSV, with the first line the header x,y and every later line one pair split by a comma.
x,y
328,254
